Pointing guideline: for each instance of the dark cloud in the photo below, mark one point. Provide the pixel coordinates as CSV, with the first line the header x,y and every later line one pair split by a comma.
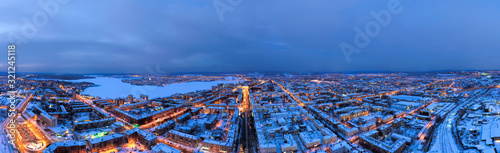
x,y
124,36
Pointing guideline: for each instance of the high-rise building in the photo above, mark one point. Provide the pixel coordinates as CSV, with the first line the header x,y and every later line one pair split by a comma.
x,y
145,97
130,98
48,119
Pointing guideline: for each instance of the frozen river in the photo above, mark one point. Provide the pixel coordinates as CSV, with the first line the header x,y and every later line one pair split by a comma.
x,y
114,88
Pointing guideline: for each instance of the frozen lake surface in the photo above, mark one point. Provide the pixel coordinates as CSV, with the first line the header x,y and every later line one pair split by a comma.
x,y
114,88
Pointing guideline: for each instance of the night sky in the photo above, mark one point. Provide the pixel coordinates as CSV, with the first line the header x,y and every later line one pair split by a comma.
x,y
124,36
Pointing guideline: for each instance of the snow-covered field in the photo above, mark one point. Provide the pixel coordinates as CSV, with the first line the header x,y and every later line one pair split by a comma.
x,y
114,88
445,140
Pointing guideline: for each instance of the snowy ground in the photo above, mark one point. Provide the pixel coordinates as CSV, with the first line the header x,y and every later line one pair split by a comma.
x,y
445,140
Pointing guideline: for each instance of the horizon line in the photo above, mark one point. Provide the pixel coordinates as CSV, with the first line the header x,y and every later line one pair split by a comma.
x,y
265,72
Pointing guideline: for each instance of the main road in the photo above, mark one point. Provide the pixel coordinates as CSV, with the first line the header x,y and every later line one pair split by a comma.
x,y
247,136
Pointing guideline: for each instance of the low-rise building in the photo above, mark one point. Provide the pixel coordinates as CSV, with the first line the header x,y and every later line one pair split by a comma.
x,y
65,147
289,145
347,131
48,119
328,136
107,142
368,140
141,136
183,138
163,148
308,140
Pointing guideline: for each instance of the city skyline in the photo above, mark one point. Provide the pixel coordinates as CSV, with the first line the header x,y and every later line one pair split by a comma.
x,y
102,37
252,113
